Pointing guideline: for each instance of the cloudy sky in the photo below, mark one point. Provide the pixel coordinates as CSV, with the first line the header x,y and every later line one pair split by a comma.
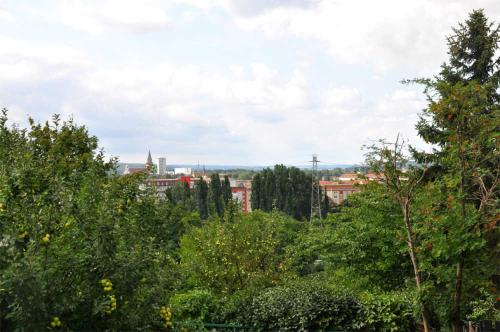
x,y
249,82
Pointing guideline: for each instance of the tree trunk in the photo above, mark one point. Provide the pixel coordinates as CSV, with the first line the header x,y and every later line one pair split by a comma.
x,y
413,257
456,323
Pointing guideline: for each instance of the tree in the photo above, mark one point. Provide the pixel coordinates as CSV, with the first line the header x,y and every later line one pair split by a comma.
x,y
230,256
227,194
79,245
216,195
201,192
472,48
402,182
255,199
461,119
466,123
282,188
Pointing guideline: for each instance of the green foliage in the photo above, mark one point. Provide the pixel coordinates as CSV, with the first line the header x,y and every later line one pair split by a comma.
x,y
195,307
66,225
216,195
462,120
229,256
285,189
227,194
369,240
389,312
201,194
306,305
484,307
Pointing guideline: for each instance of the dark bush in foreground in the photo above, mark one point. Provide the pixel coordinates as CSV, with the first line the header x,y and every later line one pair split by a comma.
x,y
304,306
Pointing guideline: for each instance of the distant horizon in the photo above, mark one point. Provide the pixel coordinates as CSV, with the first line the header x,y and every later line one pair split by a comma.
x,y
249,167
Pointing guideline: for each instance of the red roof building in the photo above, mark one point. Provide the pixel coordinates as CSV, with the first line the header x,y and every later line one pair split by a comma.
x,y
337,192
242,195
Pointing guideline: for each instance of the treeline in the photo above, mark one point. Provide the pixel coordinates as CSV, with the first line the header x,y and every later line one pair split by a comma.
x,y
286,189
207,199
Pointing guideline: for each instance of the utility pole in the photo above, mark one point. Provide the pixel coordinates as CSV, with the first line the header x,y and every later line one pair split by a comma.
x,y
315,197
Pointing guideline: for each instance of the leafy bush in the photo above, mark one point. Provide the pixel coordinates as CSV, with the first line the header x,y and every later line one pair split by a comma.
x,y
389,312
304,306
67,225
227,256
483,307
195,305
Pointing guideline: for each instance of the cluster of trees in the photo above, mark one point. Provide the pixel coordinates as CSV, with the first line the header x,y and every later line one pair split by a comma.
x,y
207,199
287,189
84,249
282,188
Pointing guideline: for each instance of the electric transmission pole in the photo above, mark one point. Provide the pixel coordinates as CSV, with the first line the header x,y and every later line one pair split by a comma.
x,y
315,197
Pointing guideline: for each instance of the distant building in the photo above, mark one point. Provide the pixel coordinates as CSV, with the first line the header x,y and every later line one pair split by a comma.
x,y
240,183
242,192
162,166
149,162
161,185
133,170
348,177
375,176
182,171
337,192
147,168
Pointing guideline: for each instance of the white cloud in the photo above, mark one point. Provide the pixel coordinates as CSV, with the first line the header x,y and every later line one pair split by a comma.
x,y
250,114
6,15
385,34
254,7
254,113
247,112
30,62
97,16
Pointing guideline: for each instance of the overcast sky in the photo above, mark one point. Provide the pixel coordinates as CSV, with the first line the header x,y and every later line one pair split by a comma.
x,y
250,82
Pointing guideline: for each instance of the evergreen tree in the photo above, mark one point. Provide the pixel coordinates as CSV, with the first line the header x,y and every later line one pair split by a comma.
x,y
268,186
202,198
256,192
472,48
216,195
282,188
282,179
227,194
325,208
462,120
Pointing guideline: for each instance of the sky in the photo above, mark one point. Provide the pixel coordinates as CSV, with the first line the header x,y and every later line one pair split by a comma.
x,y
239,82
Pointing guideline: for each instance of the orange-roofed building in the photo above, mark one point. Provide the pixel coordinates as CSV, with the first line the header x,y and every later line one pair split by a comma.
x,y
337,192
348,177
375,176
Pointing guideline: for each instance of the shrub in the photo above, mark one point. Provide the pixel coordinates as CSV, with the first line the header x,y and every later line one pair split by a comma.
x,y
304,306
389,312
197,305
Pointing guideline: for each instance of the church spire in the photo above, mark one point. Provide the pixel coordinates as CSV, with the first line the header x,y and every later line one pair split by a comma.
x,y
149,162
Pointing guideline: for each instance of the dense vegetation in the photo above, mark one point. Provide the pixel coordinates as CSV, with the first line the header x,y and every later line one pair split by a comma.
x,y
83,249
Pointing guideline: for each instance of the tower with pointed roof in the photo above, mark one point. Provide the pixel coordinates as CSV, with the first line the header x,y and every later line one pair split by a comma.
x,y
149,162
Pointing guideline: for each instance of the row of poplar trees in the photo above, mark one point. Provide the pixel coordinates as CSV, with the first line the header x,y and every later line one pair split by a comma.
x,y
207,198
286,189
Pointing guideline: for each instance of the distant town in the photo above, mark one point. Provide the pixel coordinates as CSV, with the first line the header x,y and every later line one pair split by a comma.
x,y
337,187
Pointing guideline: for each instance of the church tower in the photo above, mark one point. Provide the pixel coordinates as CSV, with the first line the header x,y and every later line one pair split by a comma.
x,y
149,162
